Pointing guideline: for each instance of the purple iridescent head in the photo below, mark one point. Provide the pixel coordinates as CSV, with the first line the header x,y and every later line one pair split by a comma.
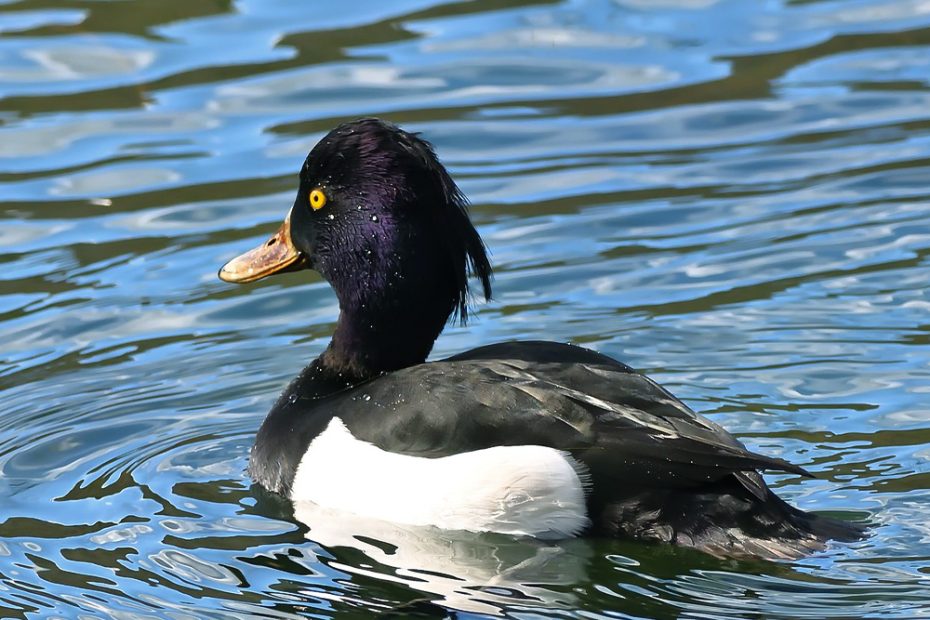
x,y
381,219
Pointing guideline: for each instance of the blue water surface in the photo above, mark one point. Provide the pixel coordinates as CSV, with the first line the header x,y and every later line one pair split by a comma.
x,y
731,196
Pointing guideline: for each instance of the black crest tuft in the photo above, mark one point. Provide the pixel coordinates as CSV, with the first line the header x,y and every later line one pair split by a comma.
x,y
465,248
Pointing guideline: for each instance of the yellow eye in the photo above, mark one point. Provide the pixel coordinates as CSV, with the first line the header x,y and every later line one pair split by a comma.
x,y
317,199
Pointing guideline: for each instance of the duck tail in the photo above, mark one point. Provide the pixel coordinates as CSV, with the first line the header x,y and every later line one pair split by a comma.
x,y
725,520
777,530
825,528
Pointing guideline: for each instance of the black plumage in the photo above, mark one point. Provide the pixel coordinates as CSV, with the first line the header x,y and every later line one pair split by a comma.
x,y
396,244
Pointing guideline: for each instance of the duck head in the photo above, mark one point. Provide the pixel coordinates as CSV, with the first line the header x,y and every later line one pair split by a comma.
x,y
379,217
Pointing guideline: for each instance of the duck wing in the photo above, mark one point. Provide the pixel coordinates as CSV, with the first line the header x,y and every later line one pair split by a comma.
x,y
620,424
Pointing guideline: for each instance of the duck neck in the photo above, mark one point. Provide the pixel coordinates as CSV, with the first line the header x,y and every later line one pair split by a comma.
x,y
359,351
371,339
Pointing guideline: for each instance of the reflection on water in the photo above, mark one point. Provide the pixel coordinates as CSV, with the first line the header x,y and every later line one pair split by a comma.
x,y
464,571
728,195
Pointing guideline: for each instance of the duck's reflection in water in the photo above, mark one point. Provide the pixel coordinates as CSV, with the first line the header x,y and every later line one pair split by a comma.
x,y
463,571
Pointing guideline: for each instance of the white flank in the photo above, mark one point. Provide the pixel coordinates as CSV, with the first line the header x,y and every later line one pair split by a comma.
x,y
520,490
